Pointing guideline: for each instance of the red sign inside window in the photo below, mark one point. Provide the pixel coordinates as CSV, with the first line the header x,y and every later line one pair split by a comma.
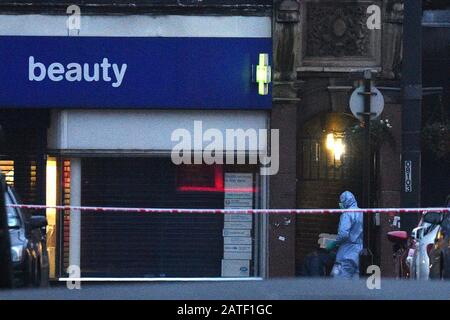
x,y
201,178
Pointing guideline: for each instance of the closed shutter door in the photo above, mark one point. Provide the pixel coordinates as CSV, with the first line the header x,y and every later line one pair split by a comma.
x,y
152,245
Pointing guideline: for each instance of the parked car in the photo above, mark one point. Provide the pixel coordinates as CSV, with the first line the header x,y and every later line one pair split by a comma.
x,y
440,253
28,245
5,244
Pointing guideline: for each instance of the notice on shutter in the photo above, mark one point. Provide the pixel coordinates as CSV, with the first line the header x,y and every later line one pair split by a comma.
x,y
237,227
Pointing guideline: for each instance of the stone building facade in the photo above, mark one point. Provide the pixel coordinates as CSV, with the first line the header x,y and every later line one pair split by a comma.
x,y
320,49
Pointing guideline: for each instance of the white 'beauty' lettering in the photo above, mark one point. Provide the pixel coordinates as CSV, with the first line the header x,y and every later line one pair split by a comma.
x,y
37,71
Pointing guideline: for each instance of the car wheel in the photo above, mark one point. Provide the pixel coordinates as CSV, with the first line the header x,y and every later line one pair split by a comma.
x,y
445,269
37,275
28,273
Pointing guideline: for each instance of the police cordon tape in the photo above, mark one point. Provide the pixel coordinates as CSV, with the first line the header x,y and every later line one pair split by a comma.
x,y
228,211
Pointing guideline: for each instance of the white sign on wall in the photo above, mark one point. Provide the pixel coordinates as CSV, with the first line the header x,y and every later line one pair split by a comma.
x,y
357,103
237,239
236,203
237,255
237,225
238,217
408,176
236,232
237,248
235,268
238,190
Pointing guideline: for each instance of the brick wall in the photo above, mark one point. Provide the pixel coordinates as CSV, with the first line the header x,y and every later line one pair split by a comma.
x,y
389,186
283,195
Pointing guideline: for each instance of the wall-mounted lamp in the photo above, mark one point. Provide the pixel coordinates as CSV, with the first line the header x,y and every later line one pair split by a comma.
x,y
335,145
263,74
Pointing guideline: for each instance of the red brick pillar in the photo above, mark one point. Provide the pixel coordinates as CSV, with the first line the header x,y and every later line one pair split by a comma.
x,y
389,185
283,195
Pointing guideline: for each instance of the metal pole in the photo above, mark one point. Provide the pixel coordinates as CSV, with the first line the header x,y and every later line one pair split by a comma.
x,y
411,111
366,257
75,215
367,168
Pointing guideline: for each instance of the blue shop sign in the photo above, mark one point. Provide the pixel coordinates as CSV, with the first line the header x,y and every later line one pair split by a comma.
x,y
131,72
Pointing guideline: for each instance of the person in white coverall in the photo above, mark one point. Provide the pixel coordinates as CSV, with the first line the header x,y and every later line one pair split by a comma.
x,y
349,239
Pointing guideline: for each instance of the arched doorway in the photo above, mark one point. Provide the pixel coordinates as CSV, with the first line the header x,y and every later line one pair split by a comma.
x,y
327,166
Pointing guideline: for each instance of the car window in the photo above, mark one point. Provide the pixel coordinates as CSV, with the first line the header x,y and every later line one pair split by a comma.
x,y
13,216
24,215
446,224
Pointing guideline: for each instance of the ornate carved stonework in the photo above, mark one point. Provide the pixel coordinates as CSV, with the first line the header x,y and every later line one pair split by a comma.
x,y
337,30
335,36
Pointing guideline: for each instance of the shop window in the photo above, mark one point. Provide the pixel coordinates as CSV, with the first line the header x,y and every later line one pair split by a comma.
x,y
200,178
65,214
51,200
21,173
7,168
33,180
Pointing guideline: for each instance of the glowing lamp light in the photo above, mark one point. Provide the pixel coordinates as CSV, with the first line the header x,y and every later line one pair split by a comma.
x,y
339,149
330,141
263,74
335,145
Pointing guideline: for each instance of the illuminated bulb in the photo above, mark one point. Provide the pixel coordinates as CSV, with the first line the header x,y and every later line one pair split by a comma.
x,y
339,149
330,141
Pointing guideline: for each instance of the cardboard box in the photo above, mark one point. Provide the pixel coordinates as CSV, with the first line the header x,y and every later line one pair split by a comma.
x,y
325,239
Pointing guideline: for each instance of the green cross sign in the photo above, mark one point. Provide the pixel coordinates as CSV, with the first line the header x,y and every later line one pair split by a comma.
x,y
263,74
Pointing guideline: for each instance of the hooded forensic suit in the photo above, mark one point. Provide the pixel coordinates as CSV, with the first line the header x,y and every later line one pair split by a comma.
x,y
349,239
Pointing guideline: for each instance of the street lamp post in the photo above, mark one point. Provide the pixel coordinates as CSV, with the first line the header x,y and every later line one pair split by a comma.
x,y
411,110
366,256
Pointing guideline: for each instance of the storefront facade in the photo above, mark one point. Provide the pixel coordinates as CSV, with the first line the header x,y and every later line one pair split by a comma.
x,y
144,176
115,94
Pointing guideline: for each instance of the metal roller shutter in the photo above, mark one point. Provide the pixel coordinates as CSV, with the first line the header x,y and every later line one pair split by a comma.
x,y
152,245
